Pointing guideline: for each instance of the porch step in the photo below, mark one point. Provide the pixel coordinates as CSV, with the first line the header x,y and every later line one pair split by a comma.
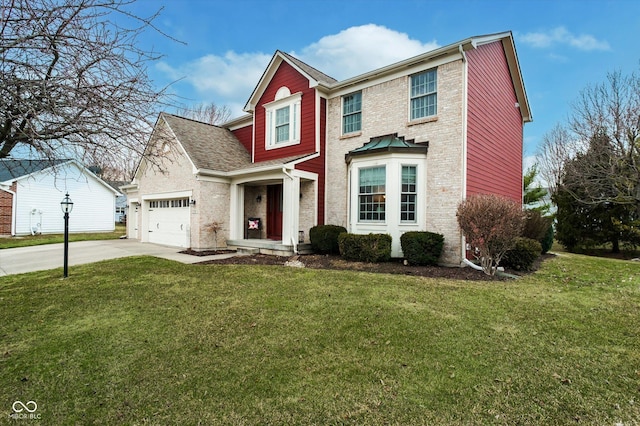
x,y
247,250
253,246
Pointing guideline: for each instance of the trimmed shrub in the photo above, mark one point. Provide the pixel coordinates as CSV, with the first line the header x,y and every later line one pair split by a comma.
x,y
324,238
490,223
522,256
536,225
370,248
422,248
547,240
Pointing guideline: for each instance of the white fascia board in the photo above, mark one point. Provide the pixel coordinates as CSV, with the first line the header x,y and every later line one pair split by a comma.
x,y
239,122
393,72
169,194
208,178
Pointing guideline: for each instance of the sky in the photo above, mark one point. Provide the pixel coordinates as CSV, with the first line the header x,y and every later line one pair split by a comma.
x,y
218,50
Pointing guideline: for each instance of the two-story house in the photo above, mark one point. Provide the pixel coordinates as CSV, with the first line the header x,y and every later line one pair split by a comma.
x,y
389,151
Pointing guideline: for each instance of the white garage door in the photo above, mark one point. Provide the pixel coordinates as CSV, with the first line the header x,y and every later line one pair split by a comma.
x,y
169,222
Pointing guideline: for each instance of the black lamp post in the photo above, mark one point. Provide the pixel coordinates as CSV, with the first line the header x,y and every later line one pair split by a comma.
x,y
66,205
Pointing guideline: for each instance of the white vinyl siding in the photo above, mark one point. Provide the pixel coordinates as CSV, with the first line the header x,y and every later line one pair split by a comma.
x,y
39,196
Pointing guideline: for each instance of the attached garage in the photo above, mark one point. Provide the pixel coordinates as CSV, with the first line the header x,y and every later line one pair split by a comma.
x,y
169,222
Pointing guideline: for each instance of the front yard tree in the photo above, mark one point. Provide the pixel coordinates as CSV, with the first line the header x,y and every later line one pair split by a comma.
x,y
490,224
74,79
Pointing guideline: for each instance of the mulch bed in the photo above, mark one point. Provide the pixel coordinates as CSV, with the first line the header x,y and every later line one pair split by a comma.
x,y
396,266
205,252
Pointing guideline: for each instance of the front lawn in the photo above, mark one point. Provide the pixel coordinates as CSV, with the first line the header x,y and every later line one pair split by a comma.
x,y
36,240
148,341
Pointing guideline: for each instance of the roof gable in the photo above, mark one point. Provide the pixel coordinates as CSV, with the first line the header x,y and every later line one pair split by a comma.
x,y
207,146
11,169
314,76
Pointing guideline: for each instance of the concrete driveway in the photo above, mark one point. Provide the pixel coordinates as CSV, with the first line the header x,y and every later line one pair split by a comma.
x,y
50,256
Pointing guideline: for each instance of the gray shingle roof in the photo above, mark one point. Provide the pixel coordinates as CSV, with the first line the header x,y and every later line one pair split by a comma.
x,y
309,70
11,169
209,147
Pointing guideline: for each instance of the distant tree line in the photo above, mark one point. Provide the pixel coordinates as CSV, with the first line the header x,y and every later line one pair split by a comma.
x,y
592,165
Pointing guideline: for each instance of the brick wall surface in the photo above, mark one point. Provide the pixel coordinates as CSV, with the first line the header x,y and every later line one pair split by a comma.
x,y
6,209
385,110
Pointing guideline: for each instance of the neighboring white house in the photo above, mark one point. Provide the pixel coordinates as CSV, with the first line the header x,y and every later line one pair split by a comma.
x,y
31,191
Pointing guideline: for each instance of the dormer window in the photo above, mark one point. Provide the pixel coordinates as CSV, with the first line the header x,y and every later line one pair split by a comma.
x,y
283,119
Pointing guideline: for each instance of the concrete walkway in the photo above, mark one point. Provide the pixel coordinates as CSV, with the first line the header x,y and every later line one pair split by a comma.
x,y
50,256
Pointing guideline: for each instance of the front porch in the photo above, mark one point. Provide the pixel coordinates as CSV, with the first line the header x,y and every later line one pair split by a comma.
x,y
273,247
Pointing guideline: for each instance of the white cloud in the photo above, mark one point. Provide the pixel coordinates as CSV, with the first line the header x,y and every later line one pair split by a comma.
x,y
360,49
230,79
226,80
562,36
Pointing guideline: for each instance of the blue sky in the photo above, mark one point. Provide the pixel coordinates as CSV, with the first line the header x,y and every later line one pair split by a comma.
x,y
563,46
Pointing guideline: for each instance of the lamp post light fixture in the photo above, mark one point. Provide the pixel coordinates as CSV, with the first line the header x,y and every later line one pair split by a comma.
x,y
66,205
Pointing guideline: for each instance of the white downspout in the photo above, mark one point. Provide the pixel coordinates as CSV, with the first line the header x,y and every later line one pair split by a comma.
x,y
465,88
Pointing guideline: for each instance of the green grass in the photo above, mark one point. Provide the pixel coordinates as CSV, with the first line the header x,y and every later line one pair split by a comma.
x,y
36,240
148,341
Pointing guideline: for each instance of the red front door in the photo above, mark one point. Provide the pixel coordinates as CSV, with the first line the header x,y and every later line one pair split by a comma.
x,y
274,212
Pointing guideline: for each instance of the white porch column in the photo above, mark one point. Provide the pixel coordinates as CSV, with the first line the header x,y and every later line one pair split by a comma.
x,y
236,212
291,209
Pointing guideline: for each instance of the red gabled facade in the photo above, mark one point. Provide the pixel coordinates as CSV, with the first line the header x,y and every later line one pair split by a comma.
x,y
494,125
245,136
253,137
287,76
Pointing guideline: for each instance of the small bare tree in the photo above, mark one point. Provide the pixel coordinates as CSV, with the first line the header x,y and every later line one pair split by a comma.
x,y
214,227
74,79
207,113
490,224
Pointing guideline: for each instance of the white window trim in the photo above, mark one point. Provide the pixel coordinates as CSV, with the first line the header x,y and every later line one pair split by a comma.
x,y
293,102
416,193
342,114
426,118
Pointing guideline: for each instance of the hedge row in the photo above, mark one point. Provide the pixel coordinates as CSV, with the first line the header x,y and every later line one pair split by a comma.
x,y
419,248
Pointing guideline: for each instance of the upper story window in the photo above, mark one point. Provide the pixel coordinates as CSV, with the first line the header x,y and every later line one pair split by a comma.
x,y
283,119
352,113
424,94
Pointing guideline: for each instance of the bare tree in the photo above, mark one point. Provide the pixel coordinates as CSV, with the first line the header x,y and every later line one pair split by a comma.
x,y
602,143
557,147
207,113
74,80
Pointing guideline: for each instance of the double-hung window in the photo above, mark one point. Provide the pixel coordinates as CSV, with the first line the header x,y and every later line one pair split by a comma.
x,y
371,194
283,120
352,113
424,95
282,124
408,194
